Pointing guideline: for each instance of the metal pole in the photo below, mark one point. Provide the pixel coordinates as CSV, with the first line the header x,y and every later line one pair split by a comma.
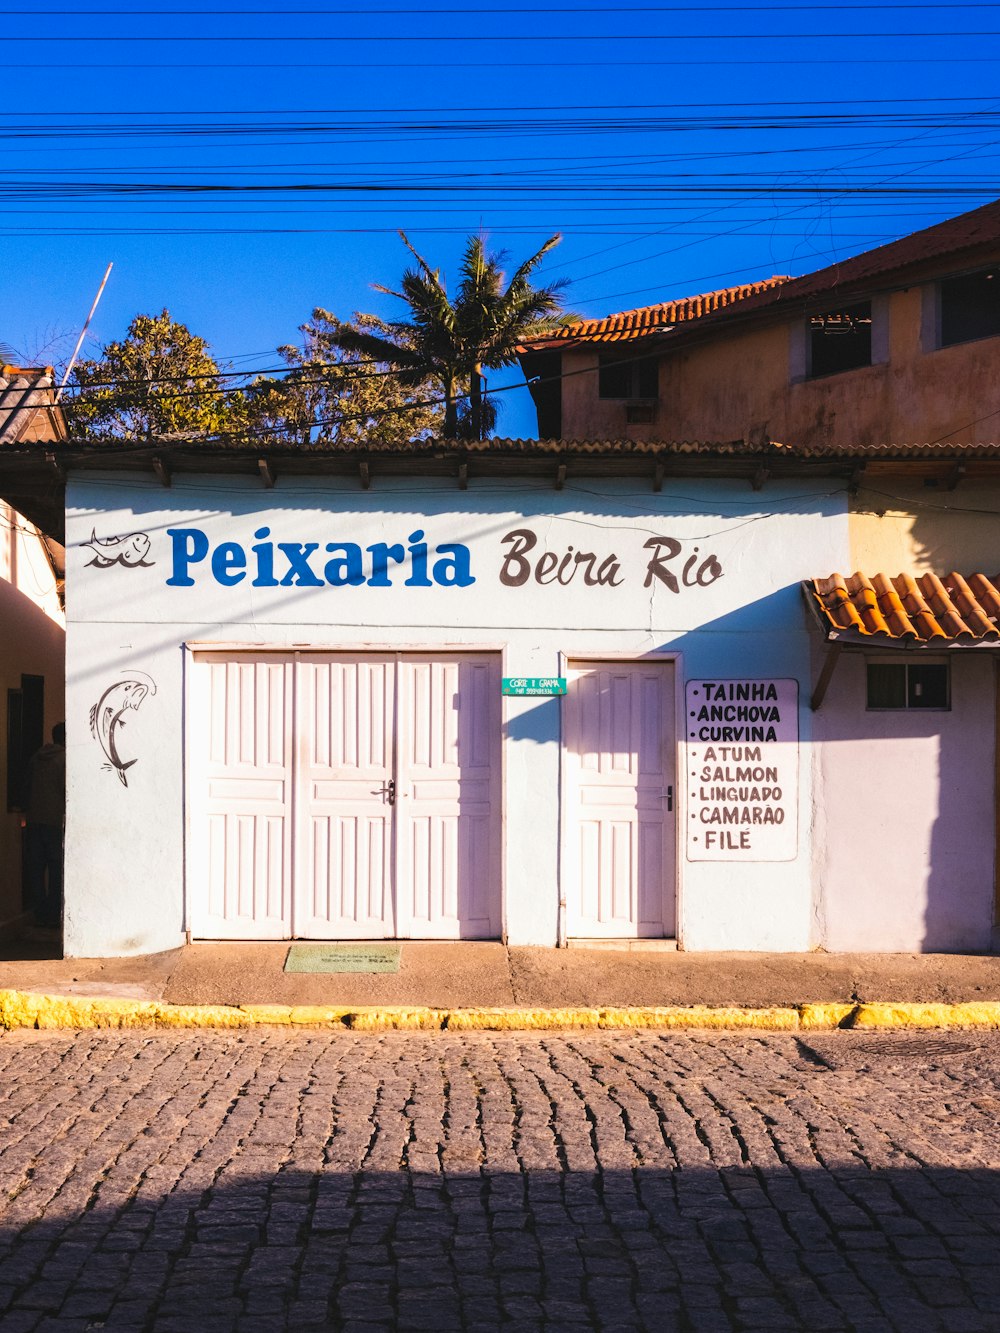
x,y
83,332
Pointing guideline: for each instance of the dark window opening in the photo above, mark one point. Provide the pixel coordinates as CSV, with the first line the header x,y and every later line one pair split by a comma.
x,y
908,685
543,371
970,307
632,378
840,340
25,735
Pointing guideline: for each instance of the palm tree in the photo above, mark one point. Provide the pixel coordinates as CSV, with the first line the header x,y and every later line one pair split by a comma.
x,y
453,341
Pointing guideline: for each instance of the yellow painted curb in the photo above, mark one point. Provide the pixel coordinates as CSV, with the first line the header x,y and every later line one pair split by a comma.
x,y
824,1015
25,1009
972,1014
702,1016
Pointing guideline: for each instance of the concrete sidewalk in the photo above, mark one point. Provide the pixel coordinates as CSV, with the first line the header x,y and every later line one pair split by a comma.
x,y
472,975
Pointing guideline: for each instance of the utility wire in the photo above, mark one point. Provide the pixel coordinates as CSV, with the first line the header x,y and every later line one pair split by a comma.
x,y
494,38
505,10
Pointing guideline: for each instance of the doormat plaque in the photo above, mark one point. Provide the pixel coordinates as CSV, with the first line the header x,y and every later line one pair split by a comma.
x,y
343,958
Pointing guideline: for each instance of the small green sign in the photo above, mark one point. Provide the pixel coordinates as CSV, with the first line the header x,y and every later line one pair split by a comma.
x,y
534,684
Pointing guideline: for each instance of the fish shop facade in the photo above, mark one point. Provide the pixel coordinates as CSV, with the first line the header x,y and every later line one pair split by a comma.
x,y
525,704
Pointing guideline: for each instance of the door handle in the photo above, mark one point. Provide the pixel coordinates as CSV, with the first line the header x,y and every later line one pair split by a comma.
x,y
390,791
669,794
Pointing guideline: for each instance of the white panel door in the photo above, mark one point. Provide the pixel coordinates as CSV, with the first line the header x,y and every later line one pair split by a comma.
x,y
344,863
618,856
448,797
242,830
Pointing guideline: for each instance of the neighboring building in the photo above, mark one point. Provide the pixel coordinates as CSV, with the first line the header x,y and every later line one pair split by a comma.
x,y
893,347
32,650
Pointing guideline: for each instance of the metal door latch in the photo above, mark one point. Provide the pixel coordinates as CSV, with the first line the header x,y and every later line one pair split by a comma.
x,y
391,791
670,799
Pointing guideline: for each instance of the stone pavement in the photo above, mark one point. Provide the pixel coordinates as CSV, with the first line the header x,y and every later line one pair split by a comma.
x,y
306,1180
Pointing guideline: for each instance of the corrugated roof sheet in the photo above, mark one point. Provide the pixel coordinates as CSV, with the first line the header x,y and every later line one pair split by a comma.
x,y
881,451
28,413
922,608
630,324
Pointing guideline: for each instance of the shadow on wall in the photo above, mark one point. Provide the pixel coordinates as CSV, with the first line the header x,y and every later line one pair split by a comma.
x,y
766,637
958,531
905,812
919,528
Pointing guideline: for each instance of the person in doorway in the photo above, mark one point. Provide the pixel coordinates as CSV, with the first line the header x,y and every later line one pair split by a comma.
x,y
45,817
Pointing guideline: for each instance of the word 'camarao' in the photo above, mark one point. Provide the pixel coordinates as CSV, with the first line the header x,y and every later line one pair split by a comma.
x,y
305,565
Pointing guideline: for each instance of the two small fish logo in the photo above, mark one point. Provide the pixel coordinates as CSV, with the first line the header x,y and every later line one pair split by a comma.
x,y
107,717
129,551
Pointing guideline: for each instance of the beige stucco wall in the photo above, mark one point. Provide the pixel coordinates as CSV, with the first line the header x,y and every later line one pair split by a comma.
x,y
897,527
741,388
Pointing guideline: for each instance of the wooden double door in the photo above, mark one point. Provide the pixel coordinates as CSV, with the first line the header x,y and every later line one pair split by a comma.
x,y
344,796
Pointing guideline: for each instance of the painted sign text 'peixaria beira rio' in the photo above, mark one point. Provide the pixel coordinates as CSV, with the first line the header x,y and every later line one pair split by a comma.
x,y
416,563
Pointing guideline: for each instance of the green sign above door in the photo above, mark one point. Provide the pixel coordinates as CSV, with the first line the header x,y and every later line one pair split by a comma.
x,y
534,684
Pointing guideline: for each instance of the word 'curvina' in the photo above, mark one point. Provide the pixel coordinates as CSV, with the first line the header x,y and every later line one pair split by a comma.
x,y
301,565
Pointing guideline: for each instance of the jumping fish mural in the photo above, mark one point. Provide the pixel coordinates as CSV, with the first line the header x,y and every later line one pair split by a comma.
x,y
107,717
130,550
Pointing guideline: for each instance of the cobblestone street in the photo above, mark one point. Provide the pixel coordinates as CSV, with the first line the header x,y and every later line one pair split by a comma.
x,y
212,1181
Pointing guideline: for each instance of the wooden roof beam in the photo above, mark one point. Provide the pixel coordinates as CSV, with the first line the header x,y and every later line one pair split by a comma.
x,y
826,675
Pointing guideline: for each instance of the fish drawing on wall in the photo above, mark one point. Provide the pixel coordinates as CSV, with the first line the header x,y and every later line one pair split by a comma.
x,y
130,550
107,717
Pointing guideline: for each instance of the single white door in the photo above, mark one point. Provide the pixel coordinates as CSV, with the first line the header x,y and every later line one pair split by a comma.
x,y
618,861
242,837
448,797
348,796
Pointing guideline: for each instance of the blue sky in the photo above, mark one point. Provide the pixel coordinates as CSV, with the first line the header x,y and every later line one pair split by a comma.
x,y
241,166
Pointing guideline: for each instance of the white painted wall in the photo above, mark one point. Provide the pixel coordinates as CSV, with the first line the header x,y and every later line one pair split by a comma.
x,y
32,643
125,873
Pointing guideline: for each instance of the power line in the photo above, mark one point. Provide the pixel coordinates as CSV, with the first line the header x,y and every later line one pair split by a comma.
x,y
465,38
760,62
505,10
592,108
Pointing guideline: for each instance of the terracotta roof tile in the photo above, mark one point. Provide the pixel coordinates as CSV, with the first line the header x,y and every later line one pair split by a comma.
x,y
629,324
923,608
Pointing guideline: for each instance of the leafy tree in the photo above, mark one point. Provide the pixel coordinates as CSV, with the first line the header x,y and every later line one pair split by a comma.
x,y
332,392
159,380
453,341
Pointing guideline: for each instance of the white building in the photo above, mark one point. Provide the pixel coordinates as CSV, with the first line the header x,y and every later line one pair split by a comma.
x,y
297,707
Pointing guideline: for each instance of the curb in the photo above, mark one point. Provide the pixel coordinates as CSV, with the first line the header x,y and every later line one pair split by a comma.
x,y
26,1009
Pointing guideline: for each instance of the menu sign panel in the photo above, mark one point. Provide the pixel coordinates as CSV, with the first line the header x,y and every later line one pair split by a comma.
x,y
743,769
